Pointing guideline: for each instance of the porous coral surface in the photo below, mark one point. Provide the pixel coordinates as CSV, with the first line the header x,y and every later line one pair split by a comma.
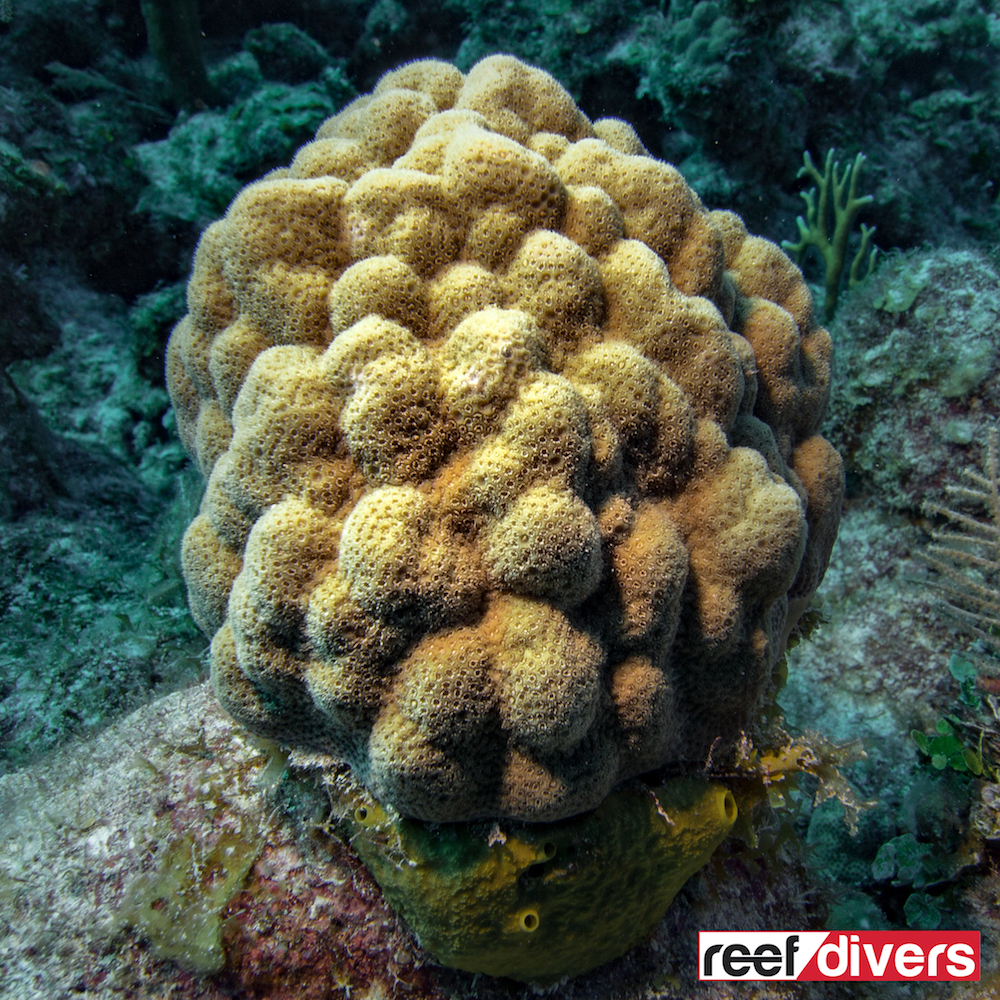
x,y
511,450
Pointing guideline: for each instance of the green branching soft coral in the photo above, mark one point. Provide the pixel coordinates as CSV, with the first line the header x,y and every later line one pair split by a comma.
x,y
814,229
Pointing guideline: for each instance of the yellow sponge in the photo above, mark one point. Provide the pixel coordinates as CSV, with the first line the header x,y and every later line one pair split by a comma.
x,y
539,902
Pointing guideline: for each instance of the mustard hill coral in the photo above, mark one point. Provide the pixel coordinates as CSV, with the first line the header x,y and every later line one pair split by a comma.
x,y
514,485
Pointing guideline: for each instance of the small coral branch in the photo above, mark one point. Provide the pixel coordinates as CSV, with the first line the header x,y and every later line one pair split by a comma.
x,y
837,195
174,34
966,553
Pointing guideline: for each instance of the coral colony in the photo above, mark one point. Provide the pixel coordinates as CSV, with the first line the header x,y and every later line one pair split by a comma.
x,y
514,480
